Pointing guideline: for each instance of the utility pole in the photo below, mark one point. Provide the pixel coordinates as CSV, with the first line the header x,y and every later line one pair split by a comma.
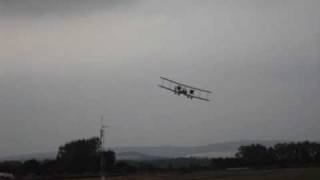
x,y
102,143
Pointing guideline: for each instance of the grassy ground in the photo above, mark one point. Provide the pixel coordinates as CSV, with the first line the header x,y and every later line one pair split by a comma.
x,y
275,174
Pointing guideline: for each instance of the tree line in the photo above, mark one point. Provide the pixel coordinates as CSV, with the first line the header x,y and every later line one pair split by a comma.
x,y
295,154
82,157
75,157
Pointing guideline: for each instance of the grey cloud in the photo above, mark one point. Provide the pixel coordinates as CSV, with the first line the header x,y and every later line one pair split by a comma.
x,y
36,8
260,58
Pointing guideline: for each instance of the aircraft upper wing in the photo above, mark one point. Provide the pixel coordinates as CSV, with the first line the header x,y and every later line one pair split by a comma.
x,y
185,85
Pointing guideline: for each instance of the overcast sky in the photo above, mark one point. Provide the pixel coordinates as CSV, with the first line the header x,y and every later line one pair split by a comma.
x,y
63,63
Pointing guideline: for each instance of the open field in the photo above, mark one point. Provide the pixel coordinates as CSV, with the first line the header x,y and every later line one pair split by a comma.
x,y
275,174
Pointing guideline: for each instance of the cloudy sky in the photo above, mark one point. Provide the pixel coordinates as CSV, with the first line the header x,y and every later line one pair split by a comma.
x,y
63,63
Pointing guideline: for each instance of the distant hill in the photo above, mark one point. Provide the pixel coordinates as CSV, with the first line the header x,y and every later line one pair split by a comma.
x,y
226,149
136,156
23,157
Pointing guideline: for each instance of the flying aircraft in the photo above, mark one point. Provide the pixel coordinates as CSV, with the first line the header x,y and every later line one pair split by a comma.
x,y
184,89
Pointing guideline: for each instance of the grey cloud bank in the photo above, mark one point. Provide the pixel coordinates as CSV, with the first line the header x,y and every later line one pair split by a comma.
x,y
60,69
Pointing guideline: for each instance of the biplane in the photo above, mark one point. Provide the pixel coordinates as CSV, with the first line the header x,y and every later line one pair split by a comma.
x,y
184,89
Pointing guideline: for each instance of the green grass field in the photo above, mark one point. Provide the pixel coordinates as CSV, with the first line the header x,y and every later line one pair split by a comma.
x,y
275,174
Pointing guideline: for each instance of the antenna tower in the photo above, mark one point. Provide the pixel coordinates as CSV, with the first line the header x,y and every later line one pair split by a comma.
x,y
102,145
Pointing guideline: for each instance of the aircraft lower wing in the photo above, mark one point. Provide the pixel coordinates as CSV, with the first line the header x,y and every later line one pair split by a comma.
x,y
188,95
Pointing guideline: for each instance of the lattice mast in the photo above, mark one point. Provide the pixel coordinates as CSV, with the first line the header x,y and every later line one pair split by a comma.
x,y
102,145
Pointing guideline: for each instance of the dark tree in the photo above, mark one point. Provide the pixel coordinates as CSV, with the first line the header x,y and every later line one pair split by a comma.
x,y
254,155
109,159
31,166
124,167
13,167
83,156
282,154
79,156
